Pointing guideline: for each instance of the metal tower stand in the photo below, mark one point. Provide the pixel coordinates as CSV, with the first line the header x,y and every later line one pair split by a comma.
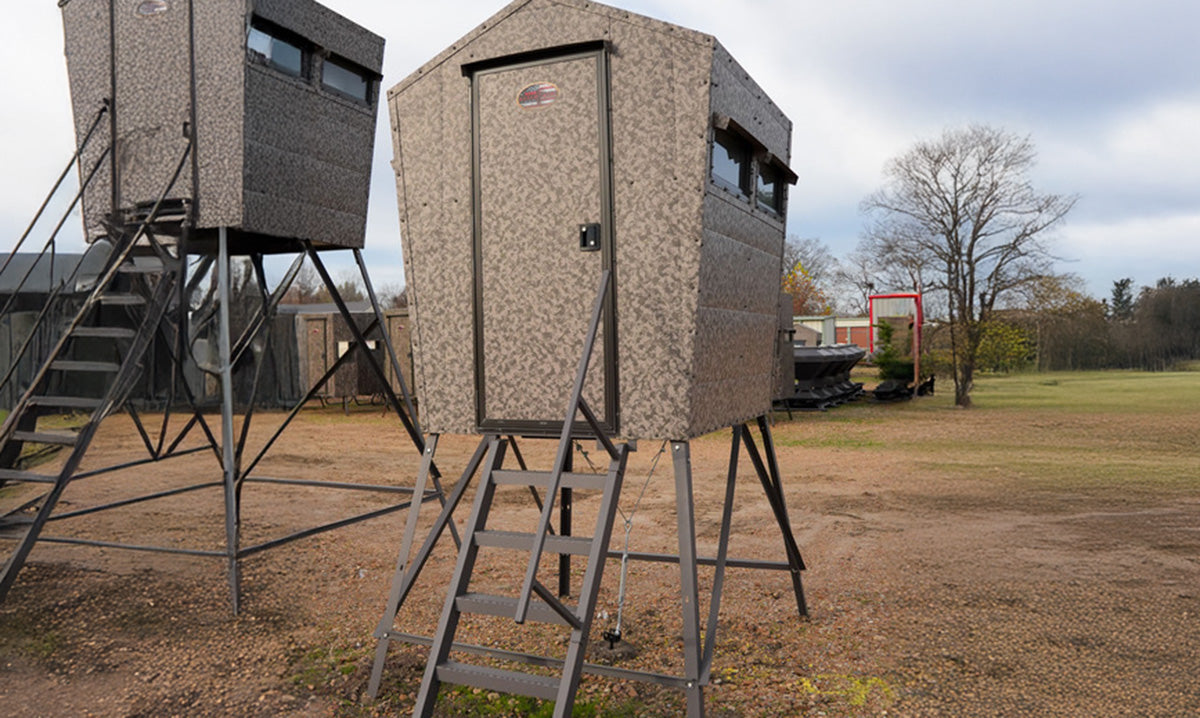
x,y
151,283
698,655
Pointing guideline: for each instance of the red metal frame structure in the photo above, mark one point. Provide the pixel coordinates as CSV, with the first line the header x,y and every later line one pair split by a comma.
x,y
918,323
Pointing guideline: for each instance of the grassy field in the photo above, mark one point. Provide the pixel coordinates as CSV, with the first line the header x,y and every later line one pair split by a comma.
x,y
1106,431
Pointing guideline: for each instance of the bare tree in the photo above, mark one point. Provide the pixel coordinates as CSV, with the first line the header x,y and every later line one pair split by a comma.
x,y
962,208
855,280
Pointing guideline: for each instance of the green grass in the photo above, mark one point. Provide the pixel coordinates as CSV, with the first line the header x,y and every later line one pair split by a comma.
x,y
1114,434
1126,392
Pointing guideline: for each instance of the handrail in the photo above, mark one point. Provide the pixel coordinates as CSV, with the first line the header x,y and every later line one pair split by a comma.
x,y
101,285
55,290
564,446
49,246
54,190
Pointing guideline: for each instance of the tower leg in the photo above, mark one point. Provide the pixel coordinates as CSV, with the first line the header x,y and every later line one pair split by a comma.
x,y
772,483
232,510
688,579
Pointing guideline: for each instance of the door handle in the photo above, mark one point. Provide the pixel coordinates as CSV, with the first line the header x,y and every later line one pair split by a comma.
x,y
589,237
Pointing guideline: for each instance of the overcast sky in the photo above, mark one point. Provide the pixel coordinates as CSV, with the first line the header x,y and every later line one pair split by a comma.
x,y
1109,91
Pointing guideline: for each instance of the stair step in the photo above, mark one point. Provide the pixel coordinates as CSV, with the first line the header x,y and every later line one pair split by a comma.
x,y
572,480
149,267
490,605
67,402
104,332
46,437
12,531
74,365
122,300
494,679
27,476
519,541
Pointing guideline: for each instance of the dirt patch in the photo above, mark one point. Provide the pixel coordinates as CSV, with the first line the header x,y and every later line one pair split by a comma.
x,y
941,582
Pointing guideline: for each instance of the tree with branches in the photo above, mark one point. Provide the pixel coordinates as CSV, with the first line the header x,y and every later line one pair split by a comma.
x,y
806,264
963,208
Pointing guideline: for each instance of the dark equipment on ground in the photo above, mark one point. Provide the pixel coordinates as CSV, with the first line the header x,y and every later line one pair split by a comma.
x,y
823,377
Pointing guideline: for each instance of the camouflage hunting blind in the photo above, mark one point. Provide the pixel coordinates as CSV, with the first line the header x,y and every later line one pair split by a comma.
x,y
284,115
561,138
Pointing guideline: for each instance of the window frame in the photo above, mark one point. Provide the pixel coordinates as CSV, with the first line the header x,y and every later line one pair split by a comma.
x,y
277,34
349,66
728,141
778,191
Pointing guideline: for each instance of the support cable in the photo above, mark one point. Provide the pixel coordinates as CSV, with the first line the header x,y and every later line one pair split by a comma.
x,y
613,635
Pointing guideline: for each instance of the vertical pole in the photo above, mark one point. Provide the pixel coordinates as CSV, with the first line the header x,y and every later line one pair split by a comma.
x,y
232,510
113,154
564,529
688,579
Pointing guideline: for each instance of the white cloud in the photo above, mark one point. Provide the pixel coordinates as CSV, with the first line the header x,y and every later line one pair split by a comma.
x,y
1143,247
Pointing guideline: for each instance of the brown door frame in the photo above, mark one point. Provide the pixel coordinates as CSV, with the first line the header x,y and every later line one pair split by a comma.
x,y
610,417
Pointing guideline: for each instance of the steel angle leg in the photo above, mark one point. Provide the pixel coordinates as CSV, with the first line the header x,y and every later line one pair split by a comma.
x,y
387,340
232,510
410,532
714,606
405,577
768,475
688,577
410,427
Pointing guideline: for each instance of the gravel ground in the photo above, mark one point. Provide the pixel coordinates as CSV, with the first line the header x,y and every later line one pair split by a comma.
x,y
936,589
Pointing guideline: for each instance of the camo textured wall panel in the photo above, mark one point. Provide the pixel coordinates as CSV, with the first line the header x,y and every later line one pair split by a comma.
x,y
261,166
308,150
740,268
661,114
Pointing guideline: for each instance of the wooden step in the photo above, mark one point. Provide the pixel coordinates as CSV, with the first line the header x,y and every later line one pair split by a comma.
x,y
104,332
519,541
46,437
487,604
494,679
26,476
122,300
541,479
67,402
106,367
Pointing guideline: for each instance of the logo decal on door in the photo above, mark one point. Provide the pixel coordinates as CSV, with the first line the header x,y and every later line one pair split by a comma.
x,y
538,95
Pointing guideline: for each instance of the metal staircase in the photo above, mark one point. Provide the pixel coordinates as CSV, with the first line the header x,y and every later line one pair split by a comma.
x,y
534,601
62,385
94,365
545,608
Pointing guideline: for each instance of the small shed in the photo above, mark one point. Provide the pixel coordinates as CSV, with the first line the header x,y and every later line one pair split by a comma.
x,y
320,337
284,115
561,138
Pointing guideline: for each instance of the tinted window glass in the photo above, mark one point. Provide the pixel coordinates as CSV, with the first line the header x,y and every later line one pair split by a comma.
x,y
731,161
346,79
279,54
770,189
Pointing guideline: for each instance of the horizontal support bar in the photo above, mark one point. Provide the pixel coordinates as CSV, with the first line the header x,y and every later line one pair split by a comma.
x,y
250,551
138,462
331,485
595,669
135,500
705,561
132,547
